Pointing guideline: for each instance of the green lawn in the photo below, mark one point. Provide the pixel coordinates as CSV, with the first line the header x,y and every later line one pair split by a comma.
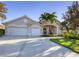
x,y
71,44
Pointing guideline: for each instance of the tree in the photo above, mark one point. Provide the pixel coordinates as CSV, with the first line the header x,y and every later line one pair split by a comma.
x,y
45,17
71,15
3,10
48,16
65,26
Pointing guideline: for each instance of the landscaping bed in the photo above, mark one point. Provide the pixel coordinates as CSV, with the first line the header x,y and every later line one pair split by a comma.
x,y
71,44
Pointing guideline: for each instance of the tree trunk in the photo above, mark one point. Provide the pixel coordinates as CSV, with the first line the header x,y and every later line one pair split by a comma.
x,y
67,29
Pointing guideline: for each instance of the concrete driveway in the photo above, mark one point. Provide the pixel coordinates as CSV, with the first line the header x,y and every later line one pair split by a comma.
x,y
32,47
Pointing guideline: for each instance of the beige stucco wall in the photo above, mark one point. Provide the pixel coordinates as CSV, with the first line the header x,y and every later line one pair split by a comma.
x,y
22,23
56,30
17,23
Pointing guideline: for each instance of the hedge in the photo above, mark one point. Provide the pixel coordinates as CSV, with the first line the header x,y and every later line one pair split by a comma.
x,y
2,32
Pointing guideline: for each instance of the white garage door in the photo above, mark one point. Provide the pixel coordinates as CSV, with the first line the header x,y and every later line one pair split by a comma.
x,y
16,31
36,32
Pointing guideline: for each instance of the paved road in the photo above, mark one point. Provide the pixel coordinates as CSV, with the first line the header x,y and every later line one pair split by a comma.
x,y
32,47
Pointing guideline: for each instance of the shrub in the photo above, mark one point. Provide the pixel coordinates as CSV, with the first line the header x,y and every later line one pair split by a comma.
x,y
2,32
77,42
69,35
77,36
61,40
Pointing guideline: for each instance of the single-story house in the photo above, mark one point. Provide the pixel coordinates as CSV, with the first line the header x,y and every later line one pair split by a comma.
x,y
25,26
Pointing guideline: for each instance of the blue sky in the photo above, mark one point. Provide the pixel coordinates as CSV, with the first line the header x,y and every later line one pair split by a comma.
x,y
34,9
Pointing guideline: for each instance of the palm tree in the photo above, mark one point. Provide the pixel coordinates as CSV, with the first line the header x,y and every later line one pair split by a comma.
x,y
3,10
48,17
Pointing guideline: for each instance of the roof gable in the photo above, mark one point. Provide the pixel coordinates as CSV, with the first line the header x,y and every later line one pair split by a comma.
x,y
20,18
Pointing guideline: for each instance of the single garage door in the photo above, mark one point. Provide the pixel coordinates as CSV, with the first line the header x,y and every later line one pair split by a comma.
x,y
16,31
36,32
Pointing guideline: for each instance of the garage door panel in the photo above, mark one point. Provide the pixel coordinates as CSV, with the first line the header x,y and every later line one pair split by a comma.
x,y
36,31
16,31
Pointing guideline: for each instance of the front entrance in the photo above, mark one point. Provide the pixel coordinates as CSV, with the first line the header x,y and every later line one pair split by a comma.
x,y
49,29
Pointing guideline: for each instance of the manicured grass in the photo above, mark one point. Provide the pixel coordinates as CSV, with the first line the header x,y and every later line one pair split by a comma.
x,y
71,44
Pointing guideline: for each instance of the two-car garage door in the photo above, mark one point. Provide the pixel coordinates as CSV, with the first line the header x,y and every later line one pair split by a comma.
x,y
16,31
23,31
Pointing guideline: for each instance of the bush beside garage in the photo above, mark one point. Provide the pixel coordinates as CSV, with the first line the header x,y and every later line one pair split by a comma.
x,y
2,30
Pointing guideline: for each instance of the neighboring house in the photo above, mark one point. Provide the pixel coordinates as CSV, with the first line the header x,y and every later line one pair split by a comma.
x,y
2,26
23,26
2,31
28,27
